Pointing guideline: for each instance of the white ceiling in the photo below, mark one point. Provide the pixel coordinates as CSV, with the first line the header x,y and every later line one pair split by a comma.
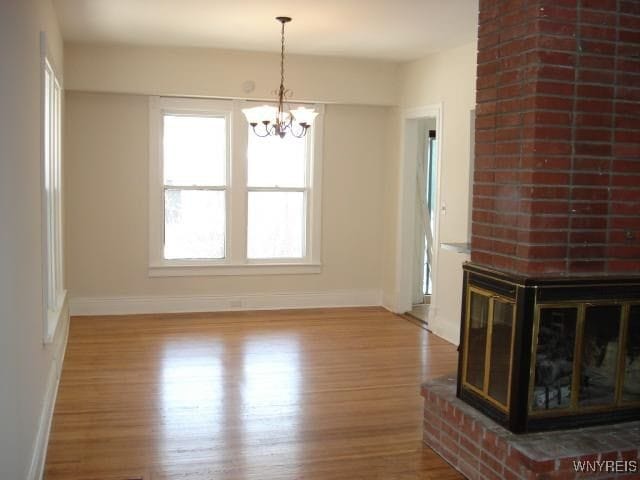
x,y
381,29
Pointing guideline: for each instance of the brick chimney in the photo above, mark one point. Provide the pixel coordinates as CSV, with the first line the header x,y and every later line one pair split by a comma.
x,y
557,167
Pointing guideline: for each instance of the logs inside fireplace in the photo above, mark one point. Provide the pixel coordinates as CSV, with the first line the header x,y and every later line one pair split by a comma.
x,y
545,353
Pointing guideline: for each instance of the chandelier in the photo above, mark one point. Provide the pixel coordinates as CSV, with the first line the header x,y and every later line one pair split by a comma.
x,y
277,120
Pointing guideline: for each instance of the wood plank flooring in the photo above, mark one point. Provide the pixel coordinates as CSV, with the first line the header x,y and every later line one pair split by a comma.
x,y
306,394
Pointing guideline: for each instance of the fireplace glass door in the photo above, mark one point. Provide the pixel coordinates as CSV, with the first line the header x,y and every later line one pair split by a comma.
x,y
587,357
553,374
489,345
501,345
599,356
549,353
477,339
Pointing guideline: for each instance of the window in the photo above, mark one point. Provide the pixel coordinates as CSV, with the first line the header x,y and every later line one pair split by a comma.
x,y
277,189
224,201
194,154
54,292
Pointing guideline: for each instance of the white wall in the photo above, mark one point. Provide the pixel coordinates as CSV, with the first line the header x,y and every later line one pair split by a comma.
x,y
107,151
446,78
390,210
221,73
107,208
107,155
28,370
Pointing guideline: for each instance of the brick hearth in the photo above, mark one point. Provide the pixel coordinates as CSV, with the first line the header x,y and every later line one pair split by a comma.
x,y
482,450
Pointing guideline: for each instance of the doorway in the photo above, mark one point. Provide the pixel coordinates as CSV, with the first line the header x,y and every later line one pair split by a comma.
x,y
418,239
425,204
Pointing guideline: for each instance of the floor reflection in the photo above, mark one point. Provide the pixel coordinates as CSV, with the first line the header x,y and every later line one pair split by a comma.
x,y
271,374
271,398
243,400
192,406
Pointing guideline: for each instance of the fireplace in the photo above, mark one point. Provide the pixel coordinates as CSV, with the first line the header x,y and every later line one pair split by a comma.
x,y
545,353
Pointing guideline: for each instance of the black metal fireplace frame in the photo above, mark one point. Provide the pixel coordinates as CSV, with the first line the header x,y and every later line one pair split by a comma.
x,y
526,293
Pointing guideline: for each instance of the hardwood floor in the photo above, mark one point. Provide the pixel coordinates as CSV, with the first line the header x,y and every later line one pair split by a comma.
x,y
307,394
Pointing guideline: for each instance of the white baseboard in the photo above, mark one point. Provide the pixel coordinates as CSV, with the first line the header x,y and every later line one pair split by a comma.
x,y
389,301
59,347
222,303
447,330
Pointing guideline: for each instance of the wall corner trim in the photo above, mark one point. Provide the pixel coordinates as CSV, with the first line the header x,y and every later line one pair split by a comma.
x,y
59,346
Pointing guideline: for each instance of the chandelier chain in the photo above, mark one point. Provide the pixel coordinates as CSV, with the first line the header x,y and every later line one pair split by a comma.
x,y
282,57
295,122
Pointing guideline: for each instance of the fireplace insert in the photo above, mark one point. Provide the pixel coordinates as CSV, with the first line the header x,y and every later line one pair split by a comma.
x,y
545,353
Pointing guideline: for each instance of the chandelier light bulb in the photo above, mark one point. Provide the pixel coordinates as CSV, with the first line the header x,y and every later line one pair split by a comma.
x,y
253,115
304,116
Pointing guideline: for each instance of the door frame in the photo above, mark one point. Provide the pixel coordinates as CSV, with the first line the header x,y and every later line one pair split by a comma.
x,y
405,229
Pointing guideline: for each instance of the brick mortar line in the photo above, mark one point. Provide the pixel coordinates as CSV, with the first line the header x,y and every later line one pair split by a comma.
x,y
574,126
528,140
552,110
563,215
555,170
549,110
527,244
613,123
536,201
551,79
543,260
548,231
561,185
591,187
573,52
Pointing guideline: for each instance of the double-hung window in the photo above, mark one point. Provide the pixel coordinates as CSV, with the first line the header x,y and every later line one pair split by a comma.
x,y
224,201
195,152
277,196
52,248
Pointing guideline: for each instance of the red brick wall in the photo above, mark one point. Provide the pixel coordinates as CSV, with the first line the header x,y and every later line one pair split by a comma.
x,y
557,172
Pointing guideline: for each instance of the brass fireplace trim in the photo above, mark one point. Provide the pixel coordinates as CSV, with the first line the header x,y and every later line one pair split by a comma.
x,y
484,392
577,357
581,305
622,351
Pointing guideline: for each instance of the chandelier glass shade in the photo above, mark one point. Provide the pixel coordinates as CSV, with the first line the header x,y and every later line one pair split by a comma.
x,y
268,120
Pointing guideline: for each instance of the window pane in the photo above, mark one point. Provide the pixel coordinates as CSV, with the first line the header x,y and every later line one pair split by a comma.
x,y
276,225
48,126
194,224
194,150
275,161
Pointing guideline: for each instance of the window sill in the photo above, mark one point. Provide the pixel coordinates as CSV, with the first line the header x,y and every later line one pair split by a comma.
x,y
199,270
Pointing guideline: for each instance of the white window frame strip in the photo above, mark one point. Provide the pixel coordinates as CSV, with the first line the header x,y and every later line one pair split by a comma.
x,y
54,292
236,262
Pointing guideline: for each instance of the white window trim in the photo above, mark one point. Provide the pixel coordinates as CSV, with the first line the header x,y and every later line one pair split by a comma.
x,y
236,262
53,291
